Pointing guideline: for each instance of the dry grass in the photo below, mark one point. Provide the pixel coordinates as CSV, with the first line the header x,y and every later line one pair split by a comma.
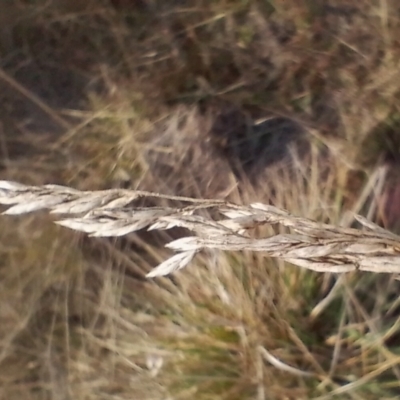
x,y
293,104
112,213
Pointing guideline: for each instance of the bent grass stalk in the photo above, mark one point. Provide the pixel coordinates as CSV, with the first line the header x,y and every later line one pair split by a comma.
x,y
308,244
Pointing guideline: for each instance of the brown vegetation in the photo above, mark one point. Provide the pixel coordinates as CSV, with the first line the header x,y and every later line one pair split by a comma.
x,y
290,103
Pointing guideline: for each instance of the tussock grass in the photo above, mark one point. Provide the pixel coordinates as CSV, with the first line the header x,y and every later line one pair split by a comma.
x,y
284,103
230,326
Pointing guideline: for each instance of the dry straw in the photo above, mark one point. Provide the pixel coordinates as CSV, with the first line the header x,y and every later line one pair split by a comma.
x,y
308,244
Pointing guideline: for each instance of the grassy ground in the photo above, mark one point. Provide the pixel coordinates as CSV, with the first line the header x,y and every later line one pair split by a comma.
x,y
293,103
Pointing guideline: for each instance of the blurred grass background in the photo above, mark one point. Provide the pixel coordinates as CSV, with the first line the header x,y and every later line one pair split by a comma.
x,y
287,102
